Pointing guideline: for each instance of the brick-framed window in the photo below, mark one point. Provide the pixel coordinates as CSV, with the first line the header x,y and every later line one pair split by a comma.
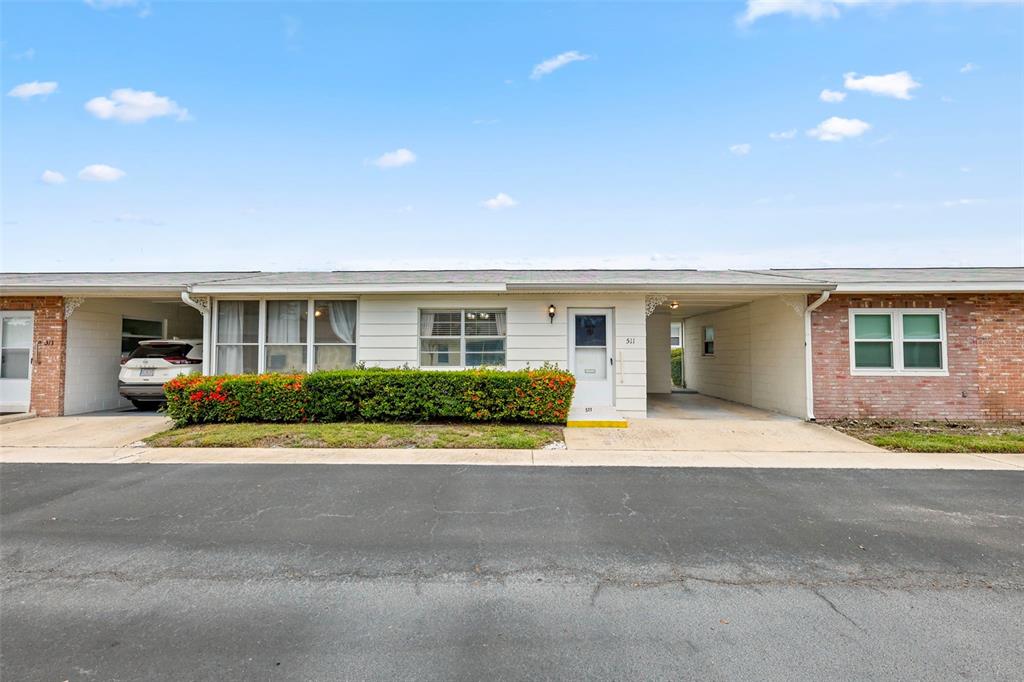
x,y
898,341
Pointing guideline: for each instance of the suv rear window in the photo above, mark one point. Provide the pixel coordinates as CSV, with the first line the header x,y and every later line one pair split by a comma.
x,y
160,350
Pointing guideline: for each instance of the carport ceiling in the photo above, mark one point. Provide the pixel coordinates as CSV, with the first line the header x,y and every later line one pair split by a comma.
x,y
697,304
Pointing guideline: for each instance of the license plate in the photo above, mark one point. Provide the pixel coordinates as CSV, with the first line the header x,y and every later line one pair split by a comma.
x,y
145,372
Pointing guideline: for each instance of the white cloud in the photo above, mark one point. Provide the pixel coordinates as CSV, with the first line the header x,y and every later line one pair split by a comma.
x,y
52,177
811,9
100,172
111,4
836,129
551,65
135,106
26,56
395,159
817,10
499,202
831,96
33,89
968,67
783,135
740,149
896,85
962,202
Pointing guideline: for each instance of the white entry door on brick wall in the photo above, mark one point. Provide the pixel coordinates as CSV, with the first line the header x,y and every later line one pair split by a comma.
x,y
15,360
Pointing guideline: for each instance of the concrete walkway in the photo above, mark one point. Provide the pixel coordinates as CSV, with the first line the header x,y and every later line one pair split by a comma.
x,y
878,459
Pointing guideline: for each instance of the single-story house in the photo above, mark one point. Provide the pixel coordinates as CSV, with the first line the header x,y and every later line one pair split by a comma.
x,y
826,343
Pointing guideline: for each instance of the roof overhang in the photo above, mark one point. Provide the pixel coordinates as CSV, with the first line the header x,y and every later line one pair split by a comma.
x,y
929,287
92,291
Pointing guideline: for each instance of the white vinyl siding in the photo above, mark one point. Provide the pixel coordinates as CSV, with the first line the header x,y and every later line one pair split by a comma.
x,y
389,333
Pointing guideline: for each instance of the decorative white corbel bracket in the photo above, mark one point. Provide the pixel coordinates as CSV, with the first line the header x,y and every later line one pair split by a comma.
x,y
200,303
651,303
71,304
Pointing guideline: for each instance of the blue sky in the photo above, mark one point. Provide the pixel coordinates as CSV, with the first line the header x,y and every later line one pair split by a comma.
x,y
342,136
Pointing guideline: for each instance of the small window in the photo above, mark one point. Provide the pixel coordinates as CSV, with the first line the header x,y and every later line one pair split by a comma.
x,y
457,338
898,341
133,331
709,340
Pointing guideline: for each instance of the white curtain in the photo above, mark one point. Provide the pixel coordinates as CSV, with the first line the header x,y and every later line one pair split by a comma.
x,y
499,322
229,331
284,321
343,320
426,324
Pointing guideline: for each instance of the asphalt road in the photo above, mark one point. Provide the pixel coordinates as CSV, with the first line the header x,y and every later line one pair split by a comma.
x,y
380,572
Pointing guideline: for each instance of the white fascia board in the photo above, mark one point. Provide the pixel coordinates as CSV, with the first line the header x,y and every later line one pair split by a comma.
x,y
97,291
284,289
680,289
930,288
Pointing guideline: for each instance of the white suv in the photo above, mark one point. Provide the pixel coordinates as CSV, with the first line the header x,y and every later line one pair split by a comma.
x,y
145,370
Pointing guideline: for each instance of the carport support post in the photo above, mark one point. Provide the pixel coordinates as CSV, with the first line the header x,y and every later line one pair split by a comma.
x,y
202,304
808,359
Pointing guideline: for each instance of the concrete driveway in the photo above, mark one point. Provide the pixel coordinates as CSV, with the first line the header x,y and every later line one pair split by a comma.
x,y
110,429
692,422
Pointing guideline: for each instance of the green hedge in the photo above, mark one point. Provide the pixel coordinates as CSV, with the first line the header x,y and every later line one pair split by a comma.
x,y
677,366
374,394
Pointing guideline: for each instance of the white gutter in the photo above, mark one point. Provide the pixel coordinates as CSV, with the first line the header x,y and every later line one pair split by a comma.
x,y
354,289
808,362
205,311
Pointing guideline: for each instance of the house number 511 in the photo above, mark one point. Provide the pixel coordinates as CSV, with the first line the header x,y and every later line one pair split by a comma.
x,y
630,340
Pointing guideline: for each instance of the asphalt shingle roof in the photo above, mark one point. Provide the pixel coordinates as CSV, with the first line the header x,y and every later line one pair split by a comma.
x,y
513,279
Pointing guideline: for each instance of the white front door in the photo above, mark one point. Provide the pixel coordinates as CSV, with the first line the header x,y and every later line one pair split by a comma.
x,y
591,336
15,360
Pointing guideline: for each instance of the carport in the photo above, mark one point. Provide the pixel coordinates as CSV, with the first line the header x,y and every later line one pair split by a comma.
x,y
743,345
101,332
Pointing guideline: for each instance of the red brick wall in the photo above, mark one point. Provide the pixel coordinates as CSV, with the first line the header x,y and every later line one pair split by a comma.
x,y
48,357
985,337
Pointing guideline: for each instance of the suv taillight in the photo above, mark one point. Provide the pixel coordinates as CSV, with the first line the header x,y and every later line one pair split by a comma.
x,y
179,360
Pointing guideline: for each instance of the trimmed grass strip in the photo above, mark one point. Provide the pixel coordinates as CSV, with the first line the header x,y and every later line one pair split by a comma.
x,y
908,441
358,435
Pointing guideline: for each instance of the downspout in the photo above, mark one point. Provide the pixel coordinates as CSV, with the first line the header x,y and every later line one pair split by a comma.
x,y
808,362
203,307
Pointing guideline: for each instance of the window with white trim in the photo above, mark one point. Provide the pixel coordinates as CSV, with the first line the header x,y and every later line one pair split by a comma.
x,y
462,338
299,335
709,341
897,341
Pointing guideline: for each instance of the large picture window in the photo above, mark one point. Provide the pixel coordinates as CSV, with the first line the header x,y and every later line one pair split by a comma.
x,y
462,338
897,341
300,335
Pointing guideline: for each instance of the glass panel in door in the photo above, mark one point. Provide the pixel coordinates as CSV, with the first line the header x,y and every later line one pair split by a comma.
x,y
15,347
591,339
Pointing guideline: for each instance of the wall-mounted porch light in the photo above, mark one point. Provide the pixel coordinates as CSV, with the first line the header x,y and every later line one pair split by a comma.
x,y
551,313
674,305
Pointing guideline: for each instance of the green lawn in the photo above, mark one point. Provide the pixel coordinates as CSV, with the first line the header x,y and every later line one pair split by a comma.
x,y
909,441
358,435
